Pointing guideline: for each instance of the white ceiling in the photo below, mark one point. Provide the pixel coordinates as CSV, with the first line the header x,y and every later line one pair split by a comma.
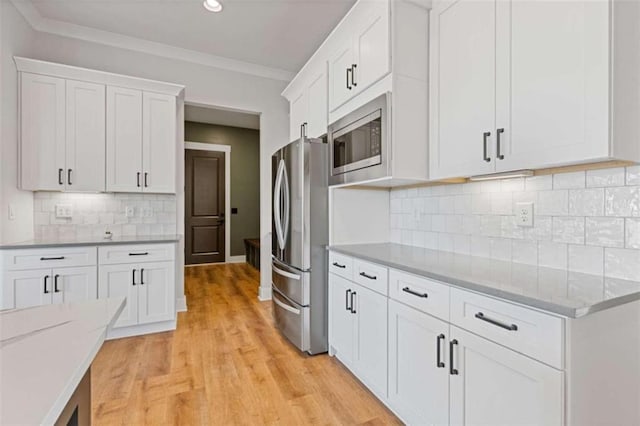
x,y
221,117
280,34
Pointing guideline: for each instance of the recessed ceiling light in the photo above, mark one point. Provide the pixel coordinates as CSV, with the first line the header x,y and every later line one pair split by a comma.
x,y
212,5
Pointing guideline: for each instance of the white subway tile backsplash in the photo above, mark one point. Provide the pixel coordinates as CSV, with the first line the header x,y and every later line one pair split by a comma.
x,y
578,218
604,231
524,252
538,183
586,259
622,263
606,177
569,180
552,255
553,203
623,201
586,202
632,239
93,214
569,230
633,175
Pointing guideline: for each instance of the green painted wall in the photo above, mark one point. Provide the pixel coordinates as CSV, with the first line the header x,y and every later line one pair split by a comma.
x,y
245,176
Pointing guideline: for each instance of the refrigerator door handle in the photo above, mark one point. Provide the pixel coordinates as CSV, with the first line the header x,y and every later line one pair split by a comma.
x,y
286,307
287,207
277,214
285,273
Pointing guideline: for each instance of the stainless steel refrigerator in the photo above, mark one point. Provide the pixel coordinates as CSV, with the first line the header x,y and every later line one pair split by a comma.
x,y
299,239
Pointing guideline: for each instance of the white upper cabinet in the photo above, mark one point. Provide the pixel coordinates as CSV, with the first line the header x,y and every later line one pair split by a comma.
x,y
507,96
462,87
361,54
308,106
42,132
85,136
159,142
141,135
62,134
86,130
124,140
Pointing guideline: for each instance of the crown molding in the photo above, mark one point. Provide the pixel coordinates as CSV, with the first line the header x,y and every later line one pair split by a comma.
x,y
80,32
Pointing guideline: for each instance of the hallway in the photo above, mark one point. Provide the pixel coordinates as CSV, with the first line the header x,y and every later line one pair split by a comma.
x,y
225,364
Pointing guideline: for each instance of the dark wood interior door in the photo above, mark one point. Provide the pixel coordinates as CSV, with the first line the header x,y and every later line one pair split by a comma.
x,y
205,207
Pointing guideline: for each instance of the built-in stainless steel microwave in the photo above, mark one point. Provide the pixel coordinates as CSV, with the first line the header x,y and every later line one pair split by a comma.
x,y
359,144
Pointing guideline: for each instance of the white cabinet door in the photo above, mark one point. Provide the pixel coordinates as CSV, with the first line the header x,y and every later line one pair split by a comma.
x,y
42,132
371,44
85,136
371,338
159,143
463,39
298,109
342,320
552,85
340,63
121,281
156,294
317,101
124,140
496,386
75,284
22,289
418,366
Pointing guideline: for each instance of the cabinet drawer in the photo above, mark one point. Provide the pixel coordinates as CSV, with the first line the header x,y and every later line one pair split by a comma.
x,y
370,275
421,293
341,265
135,253
42,258
524,330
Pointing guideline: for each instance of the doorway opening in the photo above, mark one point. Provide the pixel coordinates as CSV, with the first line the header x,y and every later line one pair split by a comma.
x,y
222,184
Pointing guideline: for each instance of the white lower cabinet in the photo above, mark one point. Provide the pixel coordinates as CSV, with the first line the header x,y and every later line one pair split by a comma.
x,y
23,289
493,385
358,328
418,373
148,288
431,372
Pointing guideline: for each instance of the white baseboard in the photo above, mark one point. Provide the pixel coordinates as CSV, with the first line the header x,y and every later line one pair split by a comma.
x,y
181,304
264,293
237,259
138,330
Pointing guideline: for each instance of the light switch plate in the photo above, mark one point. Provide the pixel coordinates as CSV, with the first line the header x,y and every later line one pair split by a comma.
x,y
64,210
524,214
129,211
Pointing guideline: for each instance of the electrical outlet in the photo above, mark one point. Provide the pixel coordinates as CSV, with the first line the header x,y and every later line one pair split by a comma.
x,y
64,210
129,211
147,212
524,214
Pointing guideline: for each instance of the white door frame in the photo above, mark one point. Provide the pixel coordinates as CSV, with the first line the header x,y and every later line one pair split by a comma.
x,y
227,188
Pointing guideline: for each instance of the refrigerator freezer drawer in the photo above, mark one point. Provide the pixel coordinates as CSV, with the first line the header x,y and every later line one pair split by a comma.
x,y
291,283
292,320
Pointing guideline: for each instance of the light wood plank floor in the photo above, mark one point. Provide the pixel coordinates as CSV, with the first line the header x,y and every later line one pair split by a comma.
x,y
225,365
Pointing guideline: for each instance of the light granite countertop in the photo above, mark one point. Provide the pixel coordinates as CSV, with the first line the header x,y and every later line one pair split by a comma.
x,y
44,353
92,241
566,293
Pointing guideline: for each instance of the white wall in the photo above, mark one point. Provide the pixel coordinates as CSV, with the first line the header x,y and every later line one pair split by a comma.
x,y
359,216
16,39
204,85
